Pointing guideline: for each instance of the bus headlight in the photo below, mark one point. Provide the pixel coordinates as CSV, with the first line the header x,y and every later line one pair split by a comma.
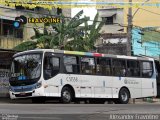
x,y
39,84
9,88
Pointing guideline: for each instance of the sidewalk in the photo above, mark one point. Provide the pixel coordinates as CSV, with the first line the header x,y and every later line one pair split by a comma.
x,y
145,100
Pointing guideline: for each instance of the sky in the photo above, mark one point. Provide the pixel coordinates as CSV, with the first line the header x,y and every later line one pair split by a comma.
x,y
89,12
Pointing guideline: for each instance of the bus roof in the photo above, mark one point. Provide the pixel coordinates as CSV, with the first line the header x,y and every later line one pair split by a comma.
x,y
94,54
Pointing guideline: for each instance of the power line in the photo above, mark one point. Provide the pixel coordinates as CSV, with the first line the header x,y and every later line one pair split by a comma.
x,y
150,11
139,8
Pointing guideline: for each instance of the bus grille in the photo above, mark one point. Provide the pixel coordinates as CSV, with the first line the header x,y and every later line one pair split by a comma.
x,y
23,88
23,95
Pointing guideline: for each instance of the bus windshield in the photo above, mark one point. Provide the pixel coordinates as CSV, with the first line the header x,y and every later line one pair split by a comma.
x,y
26,67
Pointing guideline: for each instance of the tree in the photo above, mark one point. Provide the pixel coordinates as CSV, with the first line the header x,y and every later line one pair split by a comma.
x,y
59,38
68,35
88,34
66,30
25,46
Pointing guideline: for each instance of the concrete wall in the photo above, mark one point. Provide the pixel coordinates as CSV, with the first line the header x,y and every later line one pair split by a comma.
x,y
4,83
5,62
9,42
148,48
116,49
117,20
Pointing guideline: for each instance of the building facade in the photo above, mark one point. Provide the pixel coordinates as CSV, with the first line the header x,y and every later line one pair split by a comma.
x,y
145,33
11,37
114,38
146,42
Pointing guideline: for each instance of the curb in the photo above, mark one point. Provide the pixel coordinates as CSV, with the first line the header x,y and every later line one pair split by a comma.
x,y
144,100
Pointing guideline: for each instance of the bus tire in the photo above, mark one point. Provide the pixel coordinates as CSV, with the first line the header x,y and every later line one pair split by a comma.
x,y
66,95
124,96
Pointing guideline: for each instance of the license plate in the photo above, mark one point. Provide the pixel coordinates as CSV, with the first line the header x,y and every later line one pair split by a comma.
x,y
22,93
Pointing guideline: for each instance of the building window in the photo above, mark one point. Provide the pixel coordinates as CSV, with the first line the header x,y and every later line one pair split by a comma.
x,y
71,64
108,20
59,11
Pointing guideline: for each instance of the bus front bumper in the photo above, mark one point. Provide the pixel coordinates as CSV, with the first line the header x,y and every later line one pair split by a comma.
x,y
25,94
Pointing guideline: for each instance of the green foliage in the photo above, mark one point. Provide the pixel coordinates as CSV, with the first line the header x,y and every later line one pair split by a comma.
x,y
68,35
86,36
25,46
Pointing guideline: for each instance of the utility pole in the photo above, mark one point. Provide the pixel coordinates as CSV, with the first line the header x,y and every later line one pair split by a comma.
x,y
129,29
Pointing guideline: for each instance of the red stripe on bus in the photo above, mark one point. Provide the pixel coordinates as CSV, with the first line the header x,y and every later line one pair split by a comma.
x,y
97,54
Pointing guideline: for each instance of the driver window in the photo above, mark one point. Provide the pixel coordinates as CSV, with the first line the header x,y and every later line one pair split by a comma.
x,y
51,67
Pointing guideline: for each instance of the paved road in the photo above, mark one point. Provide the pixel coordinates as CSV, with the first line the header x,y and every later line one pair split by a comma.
x,y
53,111
79,108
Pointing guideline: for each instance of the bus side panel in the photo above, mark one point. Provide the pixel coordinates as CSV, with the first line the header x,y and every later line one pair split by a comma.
x,y
133,85
148,87
53,86
86,87
96,86
103,87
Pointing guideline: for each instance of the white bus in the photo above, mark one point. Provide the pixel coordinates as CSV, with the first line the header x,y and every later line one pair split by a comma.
x,y
73,75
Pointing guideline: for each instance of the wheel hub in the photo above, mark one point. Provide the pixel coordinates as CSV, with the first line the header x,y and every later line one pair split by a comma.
x,y
124,96
66,96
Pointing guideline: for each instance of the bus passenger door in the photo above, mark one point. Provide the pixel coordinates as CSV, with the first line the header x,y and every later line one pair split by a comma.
x,y
103,82
51,67
148,78
86,88
88,70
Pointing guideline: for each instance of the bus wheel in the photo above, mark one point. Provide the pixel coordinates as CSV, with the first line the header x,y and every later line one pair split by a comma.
x,y
66,95
124,96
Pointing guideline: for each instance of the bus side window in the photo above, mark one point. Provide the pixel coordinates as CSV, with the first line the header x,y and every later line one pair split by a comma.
x,y
88,65
103,66
133,68
71,64
147,69
51,67
119,67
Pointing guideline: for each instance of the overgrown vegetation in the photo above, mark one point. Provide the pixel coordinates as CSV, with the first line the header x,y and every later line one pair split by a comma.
x,y
69,34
